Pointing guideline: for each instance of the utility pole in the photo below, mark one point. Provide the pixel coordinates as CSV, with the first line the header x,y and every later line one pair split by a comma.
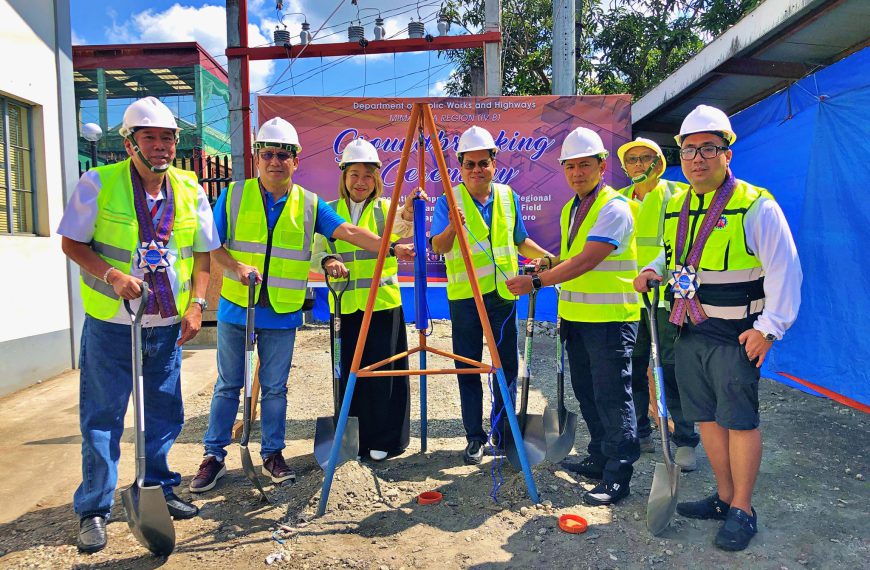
x,y
564,50
492,50
240,123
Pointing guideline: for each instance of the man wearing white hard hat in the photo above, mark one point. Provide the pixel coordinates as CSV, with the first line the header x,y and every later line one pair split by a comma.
x,y
734,280
267,226
139,220
496,233
599,311
644,163
383,404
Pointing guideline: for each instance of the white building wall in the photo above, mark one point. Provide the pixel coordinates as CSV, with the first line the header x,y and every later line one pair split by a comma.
x,y
36,69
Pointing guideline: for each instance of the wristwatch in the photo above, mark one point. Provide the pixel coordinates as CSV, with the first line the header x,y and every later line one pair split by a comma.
x,y
769,337
392,250
201,302
536,282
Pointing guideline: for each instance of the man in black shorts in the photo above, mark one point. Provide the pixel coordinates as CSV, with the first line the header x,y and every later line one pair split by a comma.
x,y
734,281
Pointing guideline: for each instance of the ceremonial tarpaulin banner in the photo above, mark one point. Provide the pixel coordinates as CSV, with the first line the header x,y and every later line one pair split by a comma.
x,y
528,131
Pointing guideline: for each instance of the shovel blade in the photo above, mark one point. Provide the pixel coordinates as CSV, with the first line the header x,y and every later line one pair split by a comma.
x,y
324,436
662,497
251,472
534,440
149,519
560,442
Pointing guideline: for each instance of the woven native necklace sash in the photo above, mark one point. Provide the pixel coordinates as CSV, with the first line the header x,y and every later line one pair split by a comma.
x,y
583,210
154,241
692,304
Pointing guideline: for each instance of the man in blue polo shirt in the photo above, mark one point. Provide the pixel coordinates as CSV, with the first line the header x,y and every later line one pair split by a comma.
x,y
266,225
496,234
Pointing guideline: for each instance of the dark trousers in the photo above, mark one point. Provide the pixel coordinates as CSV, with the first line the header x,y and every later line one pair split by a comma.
x,y
599,356
684,430
468,342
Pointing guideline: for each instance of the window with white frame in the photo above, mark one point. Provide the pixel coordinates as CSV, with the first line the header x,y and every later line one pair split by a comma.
x,y
17,208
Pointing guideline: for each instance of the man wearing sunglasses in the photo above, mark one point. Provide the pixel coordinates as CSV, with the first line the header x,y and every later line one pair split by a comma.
x,y
267,226
496,233
734,281
643,162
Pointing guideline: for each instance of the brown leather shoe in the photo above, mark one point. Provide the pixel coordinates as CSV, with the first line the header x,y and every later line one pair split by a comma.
x,y
275,467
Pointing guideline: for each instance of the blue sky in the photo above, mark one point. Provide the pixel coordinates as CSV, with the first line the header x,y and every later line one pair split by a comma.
x,y
417,74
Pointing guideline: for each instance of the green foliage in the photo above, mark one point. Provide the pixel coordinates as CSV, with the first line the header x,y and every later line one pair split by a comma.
x,y
623,46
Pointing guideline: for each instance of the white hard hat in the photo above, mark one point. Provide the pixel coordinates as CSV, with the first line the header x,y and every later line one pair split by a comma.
x,y
582,142
475,138
359,150
145,113
278,133
706,119
641,142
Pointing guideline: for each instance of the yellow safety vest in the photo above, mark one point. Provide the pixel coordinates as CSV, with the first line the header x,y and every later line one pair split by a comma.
x,y
605,294
289,253
649,217
116,235
361,263
486,245
726,260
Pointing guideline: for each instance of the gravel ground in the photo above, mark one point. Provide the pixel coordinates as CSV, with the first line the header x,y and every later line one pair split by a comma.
x,y
812,497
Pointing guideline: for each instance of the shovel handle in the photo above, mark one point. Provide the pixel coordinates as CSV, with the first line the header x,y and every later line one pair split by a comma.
x,y
143,302
335,338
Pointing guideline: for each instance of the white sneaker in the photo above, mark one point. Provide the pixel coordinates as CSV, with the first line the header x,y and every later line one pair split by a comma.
x,y
378,455
686,458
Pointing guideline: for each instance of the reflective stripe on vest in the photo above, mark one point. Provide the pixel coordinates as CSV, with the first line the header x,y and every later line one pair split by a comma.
x,y
290,253
116,235
605,294
484,257
731,277
362,263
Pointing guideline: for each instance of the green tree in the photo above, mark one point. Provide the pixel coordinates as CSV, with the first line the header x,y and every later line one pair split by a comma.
x,y
623,46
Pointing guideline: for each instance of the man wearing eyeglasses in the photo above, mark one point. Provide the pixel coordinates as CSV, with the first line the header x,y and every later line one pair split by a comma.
x,y
643,162
267,225
496,233
734,281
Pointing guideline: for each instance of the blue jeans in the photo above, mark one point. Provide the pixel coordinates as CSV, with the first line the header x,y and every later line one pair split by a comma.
x,y
599,355
468,342
105,385
275,347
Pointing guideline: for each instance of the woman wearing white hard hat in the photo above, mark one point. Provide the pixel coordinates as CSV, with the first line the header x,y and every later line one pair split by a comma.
x,y
268,226
382,405
643,161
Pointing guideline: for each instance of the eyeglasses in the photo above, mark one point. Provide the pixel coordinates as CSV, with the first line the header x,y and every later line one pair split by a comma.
x,y
270,154
469,165
707,151
645,159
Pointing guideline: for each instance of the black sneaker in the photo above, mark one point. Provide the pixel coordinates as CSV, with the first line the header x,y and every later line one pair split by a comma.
x,y
589,468
607,494
180,509
473,453
210,470
92,534
710,508
738,530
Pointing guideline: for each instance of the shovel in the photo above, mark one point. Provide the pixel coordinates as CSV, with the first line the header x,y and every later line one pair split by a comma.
x,y
533,427
147,513
250,341
666,479
560,441
324,429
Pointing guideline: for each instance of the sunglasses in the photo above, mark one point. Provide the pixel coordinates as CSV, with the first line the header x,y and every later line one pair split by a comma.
x,y
282,156
469,164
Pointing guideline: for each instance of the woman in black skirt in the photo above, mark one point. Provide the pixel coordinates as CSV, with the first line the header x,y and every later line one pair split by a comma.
x,y
382,404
